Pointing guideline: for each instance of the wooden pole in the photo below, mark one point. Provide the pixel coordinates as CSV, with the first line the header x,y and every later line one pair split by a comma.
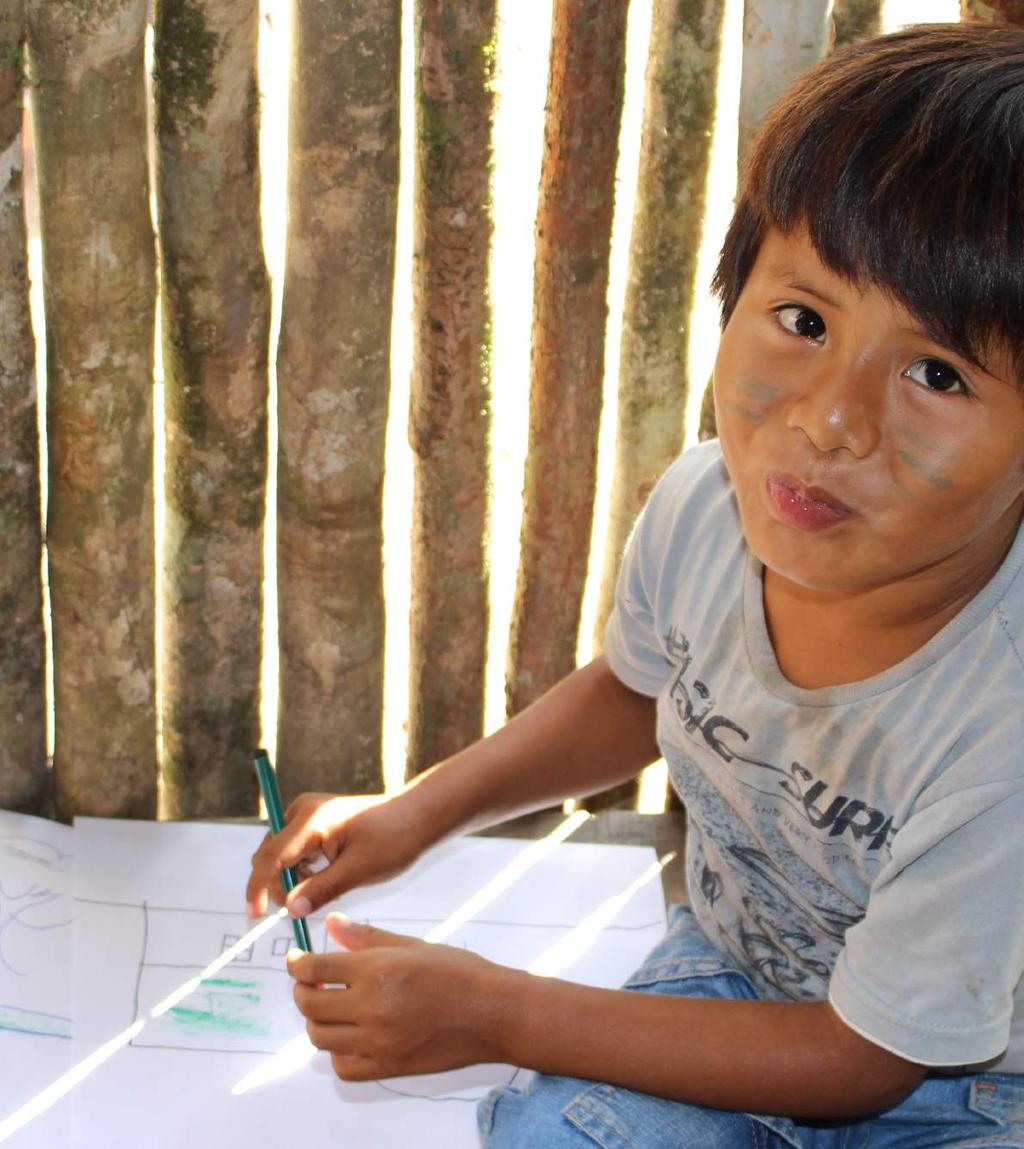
x,y
24,778
216,323
449,420
992,11
574,221
99,279
856,20
675,146
781,39
333,376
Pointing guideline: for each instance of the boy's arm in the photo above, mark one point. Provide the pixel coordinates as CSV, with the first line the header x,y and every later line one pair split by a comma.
x,y
410,1007
587,733
786,1058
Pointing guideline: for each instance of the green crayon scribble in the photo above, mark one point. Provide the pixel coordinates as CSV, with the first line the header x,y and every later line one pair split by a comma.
x,y
222,1009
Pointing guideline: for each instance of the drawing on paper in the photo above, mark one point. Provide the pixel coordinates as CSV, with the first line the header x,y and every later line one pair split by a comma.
x,y
246,1008
34,911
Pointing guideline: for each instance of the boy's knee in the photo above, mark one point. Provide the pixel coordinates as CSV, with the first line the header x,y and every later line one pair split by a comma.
x,y
566,1113
532,1118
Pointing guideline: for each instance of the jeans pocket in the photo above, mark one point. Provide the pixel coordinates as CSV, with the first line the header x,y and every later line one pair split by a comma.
x,y
614,1118
999,1100
593,1114
684,955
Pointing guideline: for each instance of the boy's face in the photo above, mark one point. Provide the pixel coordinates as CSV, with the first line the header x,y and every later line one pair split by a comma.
x,y
863,453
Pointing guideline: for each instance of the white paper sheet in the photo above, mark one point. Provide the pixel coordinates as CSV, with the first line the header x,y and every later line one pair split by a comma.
x,y
35,968
228,1063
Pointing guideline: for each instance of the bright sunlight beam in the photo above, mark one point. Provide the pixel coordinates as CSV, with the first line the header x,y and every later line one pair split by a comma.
x,y
49,1096
508,876
582,937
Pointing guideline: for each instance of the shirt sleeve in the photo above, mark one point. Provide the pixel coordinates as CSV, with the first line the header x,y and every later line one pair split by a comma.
x,y
631,642
931,970
684,517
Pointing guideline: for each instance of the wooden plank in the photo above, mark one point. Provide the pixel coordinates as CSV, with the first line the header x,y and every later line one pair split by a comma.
x,y
574,221
89,107
333,378
24,778
449,409
216,324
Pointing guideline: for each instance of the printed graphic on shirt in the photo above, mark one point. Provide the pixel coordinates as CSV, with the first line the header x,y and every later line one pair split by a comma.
x,y
753,881
842,816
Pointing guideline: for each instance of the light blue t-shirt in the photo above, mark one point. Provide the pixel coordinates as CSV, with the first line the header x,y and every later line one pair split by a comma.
x,y
862,843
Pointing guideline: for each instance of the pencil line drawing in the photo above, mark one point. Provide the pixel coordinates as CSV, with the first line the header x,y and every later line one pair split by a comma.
x,y
32,906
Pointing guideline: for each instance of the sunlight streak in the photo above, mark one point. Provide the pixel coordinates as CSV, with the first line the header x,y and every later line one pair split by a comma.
x,y
286,1061
580,939
49,1096
508,876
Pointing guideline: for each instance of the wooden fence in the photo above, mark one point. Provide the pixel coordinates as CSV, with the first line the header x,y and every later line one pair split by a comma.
x,y
105,265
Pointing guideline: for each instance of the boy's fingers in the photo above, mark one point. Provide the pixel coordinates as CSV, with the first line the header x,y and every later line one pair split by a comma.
x,y
325,1006
354,1067
319,970
296,843
319,888
359,936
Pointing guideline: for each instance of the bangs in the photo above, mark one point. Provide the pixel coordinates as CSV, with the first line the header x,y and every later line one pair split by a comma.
x,y
903,158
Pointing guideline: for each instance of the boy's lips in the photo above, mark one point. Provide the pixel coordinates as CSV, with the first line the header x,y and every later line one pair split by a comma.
x,y
806,507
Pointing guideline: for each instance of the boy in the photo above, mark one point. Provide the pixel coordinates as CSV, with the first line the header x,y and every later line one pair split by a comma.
x,y
820,625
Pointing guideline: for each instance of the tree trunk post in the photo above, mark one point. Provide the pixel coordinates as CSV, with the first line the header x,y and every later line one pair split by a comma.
x,y
573,234
24,777
856,20
449,417
99,279
992,11
781,39
216,322
679,110
675,146
333,377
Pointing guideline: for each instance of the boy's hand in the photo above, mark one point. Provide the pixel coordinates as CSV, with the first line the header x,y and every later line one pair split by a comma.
x,y
394,1005
372,844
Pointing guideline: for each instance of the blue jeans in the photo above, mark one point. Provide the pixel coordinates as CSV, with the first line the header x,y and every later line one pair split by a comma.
x,y
969,1112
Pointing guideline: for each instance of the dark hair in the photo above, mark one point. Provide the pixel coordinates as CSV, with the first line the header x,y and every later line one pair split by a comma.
x,y
903,156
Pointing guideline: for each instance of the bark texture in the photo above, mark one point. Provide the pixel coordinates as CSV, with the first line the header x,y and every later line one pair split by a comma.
x,y
449,418
216,323
98,256
992,11
574,219
781,39
24,777
675,147
333,375
855,20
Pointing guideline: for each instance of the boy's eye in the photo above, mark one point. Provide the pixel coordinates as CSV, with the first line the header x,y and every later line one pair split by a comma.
x,y
936,376
802,321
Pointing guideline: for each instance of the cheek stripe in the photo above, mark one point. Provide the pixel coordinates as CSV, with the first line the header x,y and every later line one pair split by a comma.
x,y
931,477
746,412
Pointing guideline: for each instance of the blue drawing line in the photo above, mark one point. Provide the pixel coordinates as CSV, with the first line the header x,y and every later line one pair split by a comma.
x,y
33,1022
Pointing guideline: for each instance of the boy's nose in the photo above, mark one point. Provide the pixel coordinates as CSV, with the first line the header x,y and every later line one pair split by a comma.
x,y
838,410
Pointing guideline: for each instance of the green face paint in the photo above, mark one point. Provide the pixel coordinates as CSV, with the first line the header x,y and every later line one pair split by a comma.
x,y
753,399
928,471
